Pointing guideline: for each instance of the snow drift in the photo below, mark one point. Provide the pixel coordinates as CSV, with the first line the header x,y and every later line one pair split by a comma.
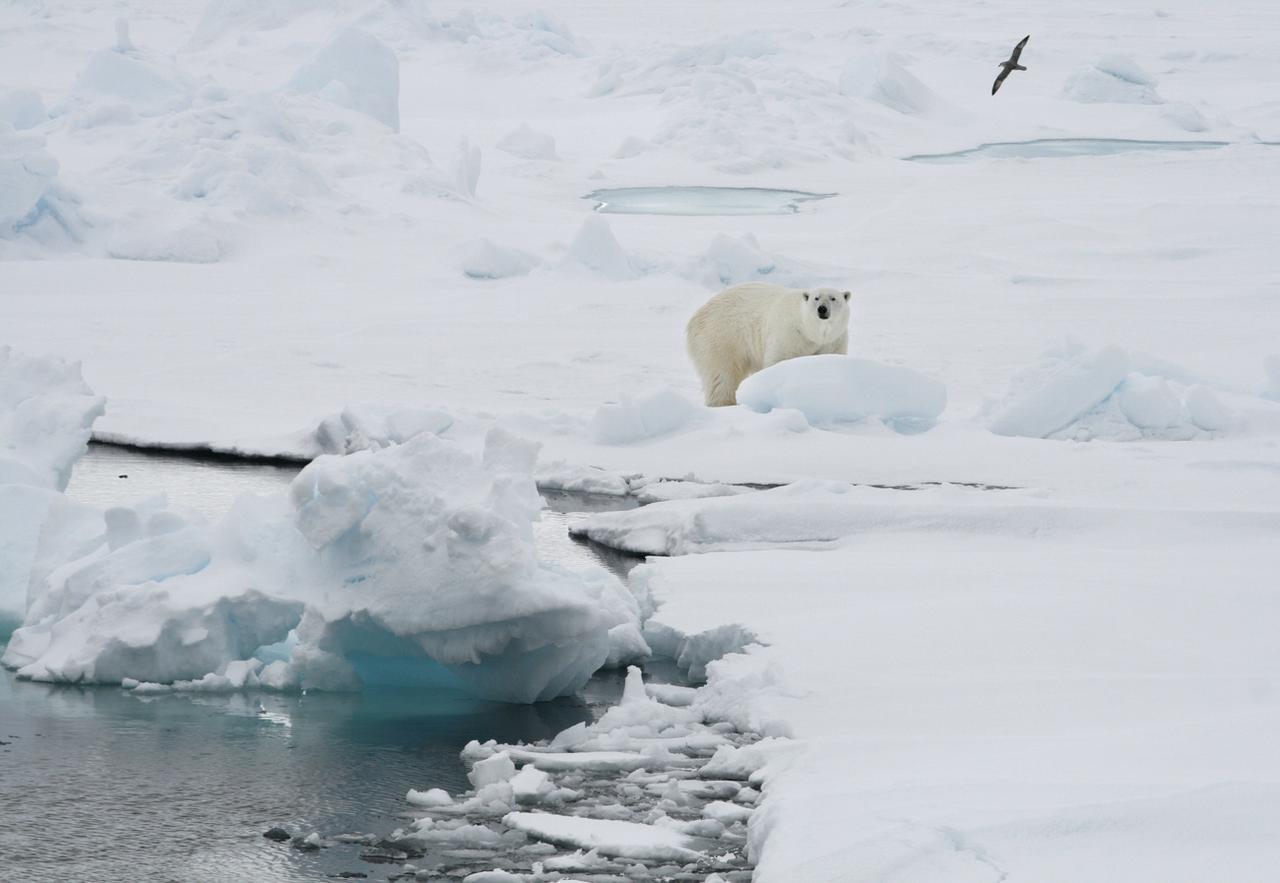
x,y
1107,394
356,70
843,389
1115,79
884,79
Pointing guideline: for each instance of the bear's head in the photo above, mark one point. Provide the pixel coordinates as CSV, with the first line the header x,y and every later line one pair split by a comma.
x,y
824,314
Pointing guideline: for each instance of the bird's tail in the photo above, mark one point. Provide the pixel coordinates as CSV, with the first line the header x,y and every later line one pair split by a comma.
x,y
1019,67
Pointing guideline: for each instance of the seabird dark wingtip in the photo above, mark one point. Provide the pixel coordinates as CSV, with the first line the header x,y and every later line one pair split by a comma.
x,y
1010,65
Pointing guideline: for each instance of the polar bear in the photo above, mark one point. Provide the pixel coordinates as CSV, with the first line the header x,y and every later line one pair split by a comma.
x,y
749,327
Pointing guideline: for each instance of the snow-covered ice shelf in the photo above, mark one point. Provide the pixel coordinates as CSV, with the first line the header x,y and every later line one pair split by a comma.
x,y
701,200
1051,148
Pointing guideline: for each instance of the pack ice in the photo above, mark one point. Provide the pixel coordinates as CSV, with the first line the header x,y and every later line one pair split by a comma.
x,y
46,412
414,563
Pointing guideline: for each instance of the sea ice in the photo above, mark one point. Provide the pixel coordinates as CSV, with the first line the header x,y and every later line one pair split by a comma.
x,y
46,414
1065,386
486,260
1113,79
147,88
412,561
607,837
22,108
32,202
528,143
646,416
842,389
356,70
882,77
595,247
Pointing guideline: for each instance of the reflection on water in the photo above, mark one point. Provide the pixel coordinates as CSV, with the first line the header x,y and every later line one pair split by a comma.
x,y
1043,148
98,784
112,476
701,200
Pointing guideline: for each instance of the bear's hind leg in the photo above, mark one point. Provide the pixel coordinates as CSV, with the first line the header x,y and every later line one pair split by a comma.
x,y
720,389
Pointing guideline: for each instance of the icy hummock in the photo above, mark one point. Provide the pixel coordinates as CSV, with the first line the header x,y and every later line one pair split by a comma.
x,y
22,108
1112,79
843,389
32,201
415,563
883,78
357,70
1108,394
46,414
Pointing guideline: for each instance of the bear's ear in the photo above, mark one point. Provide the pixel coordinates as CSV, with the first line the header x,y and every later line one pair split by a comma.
x,y
846,295
806,295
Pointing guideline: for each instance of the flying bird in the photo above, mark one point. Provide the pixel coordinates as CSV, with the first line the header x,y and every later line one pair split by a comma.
x,y
1010,65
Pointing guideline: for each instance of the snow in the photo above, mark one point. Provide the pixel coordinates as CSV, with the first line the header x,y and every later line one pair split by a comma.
x,y
487,260
356,70
595,248
637,418
605,836
1068,680
408,563
732,261
432,797
32,202
1115,79
528,143
22,108
843,389
1058,392
1073,393
883,78
491,770
147,89
999,702
46,414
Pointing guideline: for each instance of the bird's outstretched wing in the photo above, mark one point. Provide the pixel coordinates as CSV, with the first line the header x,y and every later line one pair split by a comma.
x,y
1017,50
1004,72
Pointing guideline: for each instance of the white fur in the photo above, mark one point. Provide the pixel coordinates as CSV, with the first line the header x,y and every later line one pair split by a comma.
x,y
749,327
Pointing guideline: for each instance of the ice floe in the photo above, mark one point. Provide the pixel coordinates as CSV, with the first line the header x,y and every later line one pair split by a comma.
x,y
414,561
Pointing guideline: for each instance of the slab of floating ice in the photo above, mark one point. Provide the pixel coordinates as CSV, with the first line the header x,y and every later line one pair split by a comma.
x,y
701,200
672,694
530,784
726,813
607,837
555,761
1043,148
432,797
706,790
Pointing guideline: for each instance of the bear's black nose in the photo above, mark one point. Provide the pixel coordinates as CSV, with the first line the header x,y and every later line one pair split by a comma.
x,y
822,311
